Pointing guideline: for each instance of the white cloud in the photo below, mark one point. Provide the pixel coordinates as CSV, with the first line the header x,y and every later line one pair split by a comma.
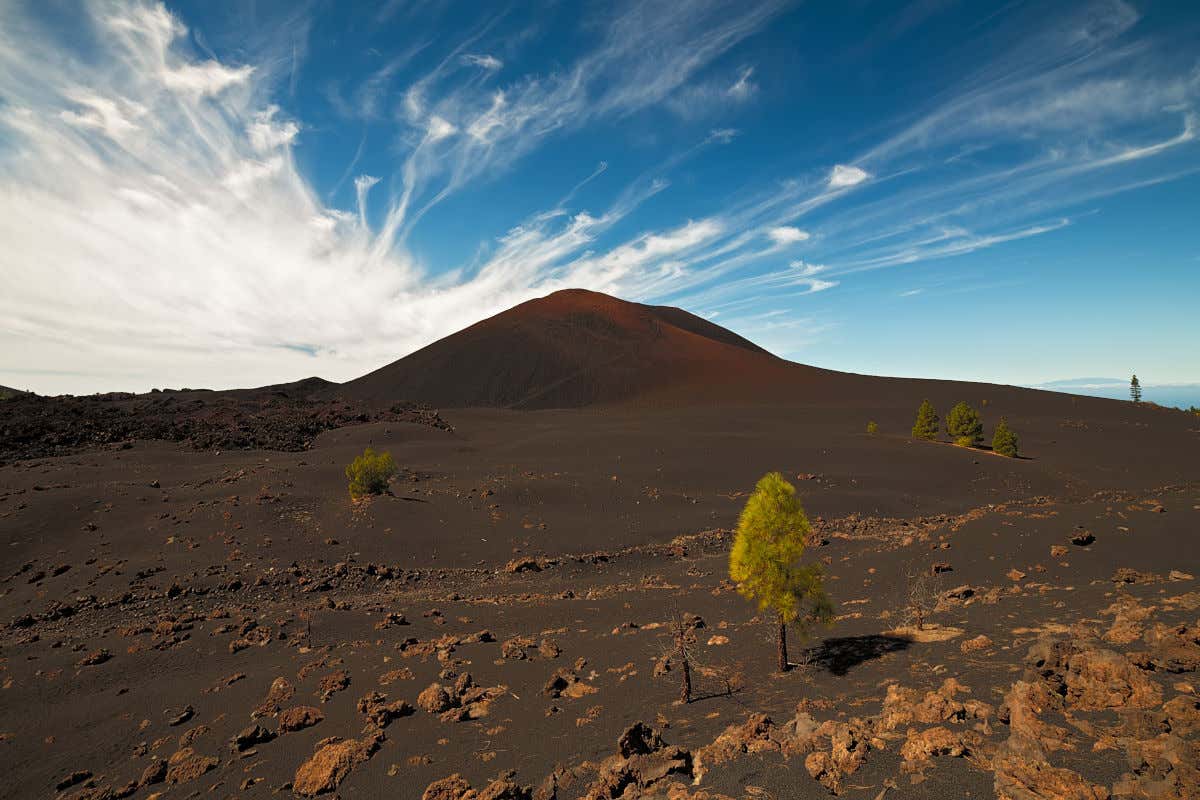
x,y
842,176
266,134
806,269
362,185
713,96
743,88
487,62
115,117
439,129
205,79
786,234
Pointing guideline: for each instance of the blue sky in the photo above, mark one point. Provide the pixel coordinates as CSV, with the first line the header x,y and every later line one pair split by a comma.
x,y
224,194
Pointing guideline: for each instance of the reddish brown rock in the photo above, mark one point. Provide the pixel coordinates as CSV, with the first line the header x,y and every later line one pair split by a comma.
x,y
1183,712
333,683
1022,710
1100,679
380,712
980,642
434,699
280,692
186,764
1022,773
921,746
298,718
330,765
849,743
1165,767
453,787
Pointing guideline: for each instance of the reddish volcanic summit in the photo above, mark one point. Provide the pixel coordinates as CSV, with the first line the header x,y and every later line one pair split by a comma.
x,y
577,348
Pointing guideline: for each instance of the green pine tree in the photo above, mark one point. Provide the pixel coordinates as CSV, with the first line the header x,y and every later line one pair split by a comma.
x,y
964,425
1135,390
926,426
1004,441
765,560
872,427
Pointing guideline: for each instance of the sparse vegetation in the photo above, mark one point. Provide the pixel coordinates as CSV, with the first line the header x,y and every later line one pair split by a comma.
x,y
765,561
923,591
370,473
964,425
684,636
872,428
926,426
1135,389
1004,441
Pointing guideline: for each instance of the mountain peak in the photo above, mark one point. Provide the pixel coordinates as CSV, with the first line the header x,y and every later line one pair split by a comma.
x,y
574,348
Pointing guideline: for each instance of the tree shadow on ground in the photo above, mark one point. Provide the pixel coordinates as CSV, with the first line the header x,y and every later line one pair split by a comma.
x,y
841,654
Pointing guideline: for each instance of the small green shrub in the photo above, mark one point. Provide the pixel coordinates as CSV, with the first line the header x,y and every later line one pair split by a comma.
x,y
872,428
926,426
1004,441
370,473
964,425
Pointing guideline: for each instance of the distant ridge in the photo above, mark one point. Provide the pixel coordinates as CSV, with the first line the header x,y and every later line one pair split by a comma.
x,y
577,348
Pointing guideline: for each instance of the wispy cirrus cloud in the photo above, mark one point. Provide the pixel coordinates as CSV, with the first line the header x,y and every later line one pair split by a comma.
x,y
483,61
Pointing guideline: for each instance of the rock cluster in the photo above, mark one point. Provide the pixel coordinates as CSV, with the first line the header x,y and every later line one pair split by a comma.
x,y
461,701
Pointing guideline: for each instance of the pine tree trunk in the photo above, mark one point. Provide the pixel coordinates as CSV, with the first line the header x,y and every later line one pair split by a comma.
x,y
681,653
781,641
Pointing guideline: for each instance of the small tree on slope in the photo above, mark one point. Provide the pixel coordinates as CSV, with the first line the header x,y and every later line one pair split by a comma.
x,y
964,426
926,426
1135,390
765,560
1004,441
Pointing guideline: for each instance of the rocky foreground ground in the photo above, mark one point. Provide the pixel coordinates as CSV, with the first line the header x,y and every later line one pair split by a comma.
x,y
1057,659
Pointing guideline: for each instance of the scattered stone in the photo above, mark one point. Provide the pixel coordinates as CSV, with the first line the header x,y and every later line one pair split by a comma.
x,y
380,712
93,658
980,642
331,764
920,746
74,779
182,717
1128,575
280,692
298,718
434,699
1022,773
251,736
333,683
186,764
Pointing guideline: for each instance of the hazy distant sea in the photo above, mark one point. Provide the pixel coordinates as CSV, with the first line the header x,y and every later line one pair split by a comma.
x,y
1179,395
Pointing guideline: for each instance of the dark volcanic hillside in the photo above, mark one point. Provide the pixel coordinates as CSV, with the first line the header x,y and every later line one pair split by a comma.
x,y
576,348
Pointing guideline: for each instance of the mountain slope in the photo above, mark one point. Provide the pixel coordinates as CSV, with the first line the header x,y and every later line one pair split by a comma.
x,y
577,348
